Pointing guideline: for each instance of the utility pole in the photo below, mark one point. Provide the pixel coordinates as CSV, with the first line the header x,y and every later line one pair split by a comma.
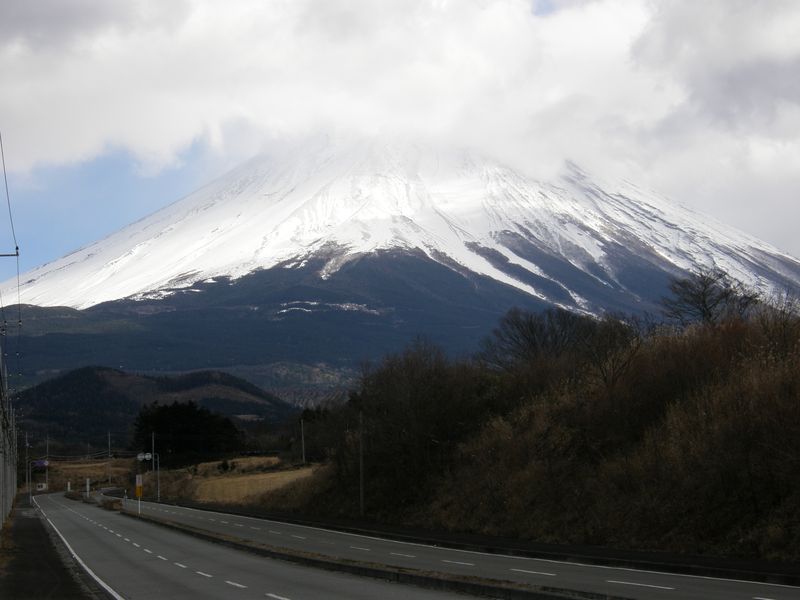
x,y
361,462
303,439
156,466
27,468
109,458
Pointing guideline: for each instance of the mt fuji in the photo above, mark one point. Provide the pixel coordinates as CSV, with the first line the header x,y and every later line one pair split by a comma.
x,y
298,265
576,242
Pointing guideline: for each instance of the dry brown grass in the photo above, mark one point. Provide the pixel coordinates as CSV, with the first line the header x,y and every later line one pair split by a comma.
x,y
241,489
247,464
77,472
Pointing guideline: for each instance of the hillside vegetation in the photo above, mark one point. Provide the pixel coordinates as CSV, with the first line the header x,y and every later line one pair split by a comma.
x,y
569,429
84,404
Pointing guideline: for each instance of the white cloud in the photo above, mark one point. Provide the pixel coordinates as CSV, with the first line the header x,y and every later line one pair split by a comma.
x,y
698,99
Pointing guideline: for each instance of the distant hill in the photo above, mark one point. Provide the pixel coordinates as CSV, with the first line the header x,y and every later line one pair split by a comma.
x,y
86,403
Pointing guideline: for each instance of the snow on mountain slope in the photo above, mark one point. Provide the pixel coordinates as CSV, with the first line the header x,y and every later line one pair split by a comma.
x,y
460,209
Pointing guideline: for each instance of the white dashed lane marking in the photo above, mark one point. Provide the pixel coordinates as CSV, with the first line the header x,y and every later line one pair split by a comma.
x,y
203,574
647,585
456,562
533,572
234,584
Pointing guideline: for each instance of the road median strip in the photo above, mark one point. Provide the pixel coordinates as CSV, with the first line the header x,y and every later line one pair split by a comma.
x,y
506,590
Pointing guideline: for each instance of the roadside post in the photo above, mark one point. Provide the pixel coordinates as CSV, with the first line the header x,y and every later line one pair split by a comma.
x,y
139,491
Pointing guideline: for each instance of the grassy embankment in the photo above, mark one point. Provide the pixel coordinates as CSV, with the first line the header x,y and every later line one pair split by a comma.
x,y
235,481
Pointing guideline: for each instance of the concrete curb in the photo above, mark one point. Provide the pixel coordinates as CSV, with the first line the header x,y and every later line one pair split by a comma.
x,y
504,590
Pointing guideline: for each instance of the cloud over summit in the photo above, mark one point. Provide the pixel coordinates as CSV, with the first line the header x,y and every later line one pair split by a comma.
x,y
700,100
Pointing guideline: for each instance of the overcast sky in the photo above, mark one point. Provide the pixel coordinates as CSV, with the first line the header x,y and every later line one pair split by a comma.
x,y
112,109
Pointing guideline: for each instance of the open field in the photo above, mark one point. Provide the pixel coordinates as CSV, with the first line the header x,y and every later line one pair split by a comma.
x,y
233,481
246,464
241,489
98,472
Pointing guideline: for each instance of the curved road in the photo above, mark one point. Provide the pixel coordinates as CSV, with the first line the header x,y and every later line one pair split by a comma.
x,y
136,559
629,583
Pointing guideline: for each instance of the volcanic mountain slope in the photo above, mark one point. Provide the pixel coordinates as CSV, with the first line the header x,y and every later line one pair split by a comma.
x,y
576,242
292,270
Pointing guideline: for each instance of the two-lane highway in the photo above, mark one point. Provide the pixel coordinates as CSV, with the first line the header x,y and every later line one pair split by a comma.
x,y
136,559
630,583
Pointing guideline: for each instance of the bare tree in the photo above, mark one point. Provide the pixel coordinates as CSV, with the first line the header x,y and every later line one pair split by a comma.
x,y
523,336
707,296
779,319
611,348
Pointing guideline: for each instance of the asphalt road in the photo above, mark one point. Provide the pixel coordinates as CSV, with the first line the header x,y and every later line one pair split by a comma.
x,y
136,559
628,583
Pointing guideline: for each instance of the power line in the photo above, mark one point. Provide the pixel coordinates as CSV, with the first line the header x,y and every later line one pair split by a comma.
x,y
16,255
8,197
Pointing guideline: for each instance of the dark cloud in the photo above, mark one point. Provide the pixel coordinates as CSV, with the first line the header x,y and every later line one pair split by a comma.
x,y
49,23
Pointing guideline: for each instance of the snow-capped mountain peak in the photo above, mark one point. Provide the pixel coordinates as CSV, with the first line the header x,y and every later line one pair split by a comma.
x,y
342,200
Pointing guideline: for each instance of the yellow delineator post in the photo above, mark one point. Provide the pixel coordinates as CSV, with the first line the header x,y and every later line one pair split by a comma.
x,y
139,491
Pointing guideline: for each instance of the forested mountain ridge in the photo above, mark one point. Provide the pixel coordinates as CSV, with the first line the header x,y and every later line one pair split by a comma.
x,y
86,403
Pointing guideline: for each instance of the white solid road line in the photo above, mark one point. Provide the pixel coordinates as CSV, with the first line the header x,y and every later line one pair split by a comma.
x,y
647,585
533,572
86,568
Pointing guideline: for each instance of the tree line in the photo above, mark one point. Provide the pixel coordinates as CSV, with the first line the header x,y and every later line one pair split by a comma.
x,y
678,433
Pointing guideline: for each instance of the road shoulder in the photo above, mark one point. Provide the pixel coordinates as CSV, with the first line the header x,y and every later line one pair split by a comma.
x,y
35,564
